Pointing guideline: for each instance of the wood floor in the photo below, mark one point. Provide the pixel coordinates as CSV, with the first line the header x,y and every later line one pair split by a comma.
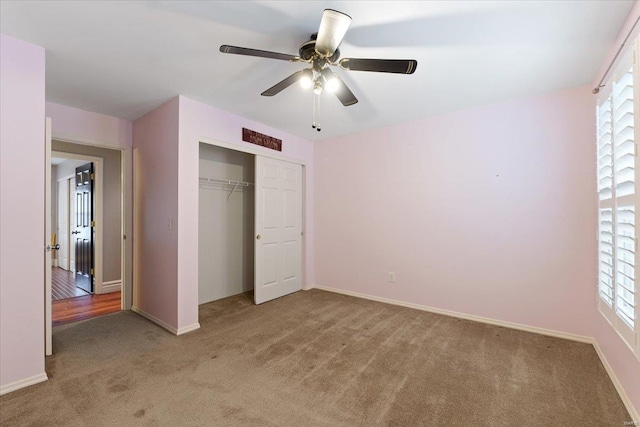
x,y
63,285
84,307
71,304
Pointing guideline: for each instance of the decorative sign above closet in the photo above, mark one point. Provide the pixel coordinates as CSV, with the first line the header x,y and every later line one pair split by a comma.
x,y
261,139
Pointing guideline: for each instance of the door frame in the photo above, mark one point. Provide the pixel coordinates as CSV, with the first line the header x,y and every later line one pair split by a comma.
x,y
47,237
57,262
98,214
262,152
126,181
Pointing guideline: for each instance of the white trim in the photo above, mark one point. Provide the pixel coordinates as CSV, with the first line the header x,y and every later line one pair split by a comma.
x,y
155,320
165,325
17,385
264,152
518,326
189,328
309,287
111,286
56,261
619,388
48,339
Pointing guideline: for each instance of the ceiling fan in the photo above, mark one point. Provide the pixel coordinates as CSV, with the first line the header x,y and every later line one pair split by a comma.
x,y
321,51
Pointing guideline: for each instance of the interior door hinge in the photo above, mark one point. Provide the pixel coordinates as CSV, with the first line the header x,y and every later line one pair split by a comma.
x,y
93,176
93,223
92,272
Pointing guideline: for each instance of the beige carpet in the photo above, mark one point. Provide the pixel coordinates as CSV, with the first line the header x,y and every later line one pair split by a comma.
x,y
314,359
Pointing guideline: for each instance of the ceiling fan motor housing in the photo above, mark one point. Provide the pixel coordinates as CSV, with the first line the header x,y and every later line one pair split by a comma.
x,y
307,50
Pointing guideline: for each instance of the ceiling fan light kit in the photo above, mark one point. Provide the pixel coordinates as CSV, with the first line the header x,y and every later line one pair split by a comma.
x,y
320,52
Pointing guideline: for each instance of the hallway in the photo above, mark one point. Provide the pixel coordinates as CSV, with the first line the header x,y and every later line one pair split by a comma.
x,y
71,304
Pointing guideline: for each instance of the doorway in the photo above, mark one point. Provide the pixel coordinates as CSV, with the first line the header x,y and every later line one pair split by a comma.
x,y
86,218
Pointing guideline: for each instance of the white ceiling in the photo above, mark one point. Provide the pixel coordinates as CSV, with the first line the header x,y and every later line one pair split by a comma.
x,y
126,58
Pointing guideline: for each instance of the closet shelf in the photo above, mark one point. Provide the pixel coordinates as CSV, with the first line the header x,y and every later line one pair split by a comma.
x,y
205,181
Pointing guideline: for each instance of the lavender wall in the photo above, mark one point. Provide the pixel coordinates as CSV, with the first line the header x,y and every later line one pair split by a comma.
x,y
488,212
198,120
88,127
22,114
155,185
166,156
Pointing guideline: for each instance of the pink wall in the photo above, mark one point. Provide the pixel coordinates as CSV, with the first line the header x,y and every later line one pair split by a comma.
x,y
88,127
200,120
166,158
22,118
488,212
625,365
155,182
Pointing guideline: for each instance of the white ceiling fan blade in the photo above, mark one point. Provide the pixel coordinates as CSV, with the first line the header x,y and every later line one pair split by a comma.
x,y
333,27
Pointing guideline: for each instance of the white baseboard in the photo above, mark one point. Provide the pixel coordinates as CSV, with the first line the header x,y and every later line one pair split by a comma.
x,y
111,286
307,287
165,325
614,379
155,320
55,263
573,337
16,385
189,328
521,327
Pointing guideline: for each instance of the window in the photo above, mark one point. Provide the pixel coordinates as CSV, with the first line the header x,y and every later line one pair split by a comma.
x,y
617,116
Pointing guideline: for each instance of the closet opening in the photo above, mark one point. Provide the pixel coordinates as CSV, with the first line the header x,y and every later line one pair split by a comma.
x,y
226,242
250,223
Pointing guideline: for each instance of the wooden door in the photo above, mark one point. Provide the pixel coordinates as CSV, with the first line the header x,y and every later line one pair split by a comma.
x,y
83,234
278,215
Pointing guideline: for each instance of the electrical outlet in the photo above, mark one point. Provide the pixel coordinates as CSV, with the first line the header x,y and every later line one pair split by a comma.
x,y
392,277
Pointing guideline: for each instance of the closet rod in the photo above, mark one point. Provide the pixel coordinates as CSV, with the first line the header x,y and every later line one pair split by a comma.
x,y
205,180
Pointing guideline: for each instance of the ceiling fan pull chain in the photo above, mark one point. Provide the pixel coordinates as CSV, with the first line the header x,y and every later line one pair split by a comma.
x,y
317,112
313,100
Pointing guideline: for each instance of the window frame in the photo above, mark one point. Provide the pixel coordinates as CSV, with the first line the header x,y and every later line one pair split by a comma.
x,y
630,336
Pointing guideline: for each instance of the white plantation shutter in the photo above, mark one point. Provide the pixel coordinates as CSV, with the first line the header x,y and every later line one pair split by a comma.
x,y
605,150
625,268
605,194
623,136
617,166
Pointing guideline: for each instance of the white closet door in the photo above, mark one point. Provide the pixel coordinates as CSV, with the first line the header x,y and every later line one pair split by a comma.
x,y
278,249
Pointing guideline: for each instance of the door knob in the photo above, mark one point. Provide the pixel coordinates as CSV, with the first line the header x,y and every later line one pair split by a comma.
x,y
55,247
258,237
